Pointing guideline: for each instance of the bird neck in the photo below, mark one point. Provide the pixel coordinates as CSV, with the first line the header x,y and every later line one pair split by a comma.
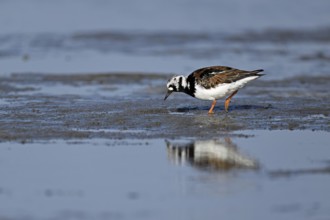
x,y
182,84
189,86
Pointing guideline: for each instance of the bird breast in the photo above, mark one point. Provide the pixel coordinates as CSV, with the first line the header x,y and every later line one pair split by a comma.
x,y
217,92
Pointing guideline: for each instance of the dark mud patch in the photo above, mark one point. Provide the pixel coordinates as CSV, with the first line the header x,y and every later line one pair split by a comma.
x,y
116,106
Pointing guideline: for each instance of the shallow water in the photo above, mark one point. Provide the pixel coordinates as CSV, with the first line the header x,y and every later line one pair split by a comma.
x,y
288,177
165,37
78,15
303,52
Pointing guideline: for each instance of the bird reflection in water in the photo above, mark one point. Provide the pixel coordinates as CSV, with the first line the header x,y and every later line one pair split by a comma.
x,y
219,154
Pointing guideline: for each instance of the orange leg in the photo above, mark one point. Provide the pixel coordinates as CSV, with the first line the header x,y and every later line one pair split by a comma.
x,y
212,106
228,100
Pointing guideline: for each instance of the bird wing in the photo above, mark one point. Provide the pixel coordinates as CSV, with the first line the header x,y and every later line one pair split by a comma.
x,y
210,77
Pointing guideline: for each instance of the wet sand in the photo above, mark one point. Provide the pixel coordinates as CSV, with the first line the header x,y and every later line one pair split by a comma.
x,y
37,106
130,105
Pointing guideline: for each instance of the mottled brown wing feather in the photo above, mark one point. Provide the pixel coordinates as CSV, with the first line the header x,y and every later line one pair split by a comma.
x,y
210,77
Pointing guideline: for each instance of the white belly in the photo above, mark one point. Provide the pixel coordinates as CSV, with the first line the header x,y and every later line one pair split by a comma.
x,y
222,90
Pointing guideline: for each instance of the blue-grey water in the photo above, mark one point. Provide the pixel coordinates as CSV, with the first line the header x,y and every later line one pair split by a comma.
x,y
271,175
286,38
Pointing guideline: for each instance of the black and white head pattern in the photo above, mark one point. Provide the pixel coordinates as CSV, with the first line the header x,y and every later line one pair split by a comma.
x,y
177,84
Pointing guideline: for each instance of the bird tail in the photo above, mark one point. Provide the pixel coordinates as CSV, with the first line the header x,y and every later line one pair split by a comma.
x,y
256,72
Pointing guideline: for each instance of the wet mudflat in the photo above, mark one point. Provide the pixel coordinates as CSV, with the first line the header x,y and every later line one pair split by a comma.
x,y
83,146
42,107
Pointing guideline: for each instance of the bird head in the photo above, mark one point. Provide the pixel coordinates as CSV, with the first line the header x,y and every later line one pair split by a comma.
x,y
175,84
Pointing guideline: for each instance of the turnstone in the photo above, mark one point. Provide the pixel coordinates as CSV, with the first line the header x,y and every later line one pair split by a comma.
x,y
212,83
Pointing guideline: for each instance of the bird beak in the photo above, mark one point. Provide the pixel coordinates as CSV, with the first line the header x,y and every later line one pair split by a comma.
x,y
168,94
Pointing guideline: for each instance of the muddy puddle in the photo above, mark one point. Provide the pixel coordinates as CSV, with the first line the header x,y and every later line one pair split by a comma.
x,y
249,174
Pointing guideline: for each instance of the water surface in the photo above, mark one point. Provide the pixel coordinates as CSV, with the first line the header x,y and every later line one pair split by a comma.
x,y
165,36
286,177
